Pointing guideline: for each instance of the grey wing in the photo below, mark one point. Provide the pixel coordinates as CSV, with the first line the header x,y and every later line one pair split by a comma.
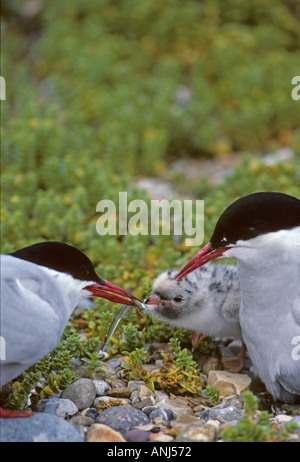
x,y
30,327
291,383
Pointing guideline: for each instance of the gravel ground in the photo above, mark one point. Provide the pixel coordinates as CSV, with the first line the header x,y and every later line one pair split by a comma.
x,y
109,408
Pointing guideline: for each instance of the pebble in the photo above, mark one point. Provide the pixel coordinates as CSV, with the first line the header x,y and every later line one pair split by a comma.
x,y
160,395
292,409
101,387
282,418
57,406
91,412
137,436
123,392
178,406
142,404
228,383
103,402
108,409
184,421
122,418
82,392
42,428
82,420
221,412
212,363
99,433
198,433
235,400
146,393
161,437
164,414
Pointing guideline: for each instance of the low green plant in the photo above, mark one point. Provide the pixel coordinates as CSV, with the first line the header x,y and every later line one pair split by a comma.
x,y
255,426
185,370
157,331
212,394
54,371
21,389
131,337
92,363
133,364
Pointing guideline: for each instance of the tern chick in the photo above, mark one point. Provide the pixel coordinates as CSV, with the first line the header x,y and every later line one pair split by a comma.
x,y
206,302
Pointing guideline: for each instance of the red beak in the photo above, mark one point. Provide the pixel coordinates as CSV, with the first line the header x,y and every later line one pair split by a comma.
x,y
112,292
202,257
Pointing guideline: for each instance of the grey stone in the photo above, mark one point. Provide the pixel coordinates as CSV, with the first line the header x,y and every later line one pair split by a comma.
x,y
235,400
91,412
40,427
82,392
115,362
148,409
122,418
177,405
101,387
57,406
164,414
160,395
100,400
223,413
136,436
201,433
143,404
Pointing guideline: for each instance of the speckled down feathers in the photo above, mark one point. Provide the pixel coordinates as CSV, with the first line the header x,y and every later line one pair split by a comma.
x,y
210,300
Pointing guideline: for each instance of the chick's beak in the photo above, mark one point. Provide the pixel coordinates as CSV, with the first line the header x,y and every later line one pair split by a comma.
x,y
155,300
152,300
112,292
203,256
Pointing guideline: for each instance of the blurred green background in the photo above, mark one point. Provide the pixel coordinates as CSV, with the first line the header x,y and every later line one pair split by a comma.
x,y
101,94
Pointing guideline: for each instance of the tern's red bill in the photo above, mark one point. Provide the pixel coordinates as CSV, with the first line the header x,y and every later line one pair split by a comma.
x,y
203,256
112,292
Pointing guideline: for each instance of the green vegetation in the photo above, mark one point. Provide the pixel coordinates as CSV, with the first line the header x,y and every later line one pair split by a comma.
x,y
179,374
185,371
102,93
212,394
255,426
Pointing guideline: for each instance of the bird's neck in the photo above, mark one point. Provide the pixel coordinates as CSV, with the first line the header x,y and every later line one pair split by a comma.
x,y
264,287
71,290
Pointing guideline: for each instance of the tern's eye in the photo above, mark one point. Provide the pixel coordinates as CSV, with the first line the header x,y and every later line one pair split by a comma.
x,y
178,299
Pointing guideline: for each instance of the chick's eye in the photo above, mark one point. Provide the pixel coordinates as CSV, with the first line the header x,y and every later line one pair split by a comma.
x,y
178,299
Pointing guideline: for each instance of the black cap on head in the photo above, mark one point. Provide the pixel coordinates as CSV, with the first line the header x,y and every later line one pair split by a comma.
x,y
60,257
255,214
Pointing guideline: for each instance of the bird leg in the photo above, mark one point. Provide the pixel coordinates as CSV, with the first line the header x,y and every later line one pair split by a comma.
x,y
236,363
6,413
196,338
